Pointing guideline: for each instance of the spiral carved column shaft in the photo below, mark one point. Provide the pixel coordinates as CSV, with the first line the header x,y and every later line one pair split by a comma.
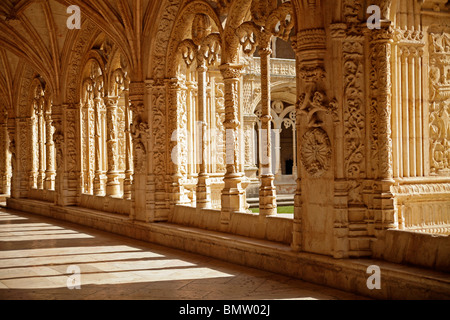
x,y
112,176
267,191
233,195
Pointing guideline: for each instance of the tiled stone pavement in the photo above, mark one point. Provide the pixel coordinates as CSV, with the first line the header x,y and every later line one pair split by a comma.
x,y
36,252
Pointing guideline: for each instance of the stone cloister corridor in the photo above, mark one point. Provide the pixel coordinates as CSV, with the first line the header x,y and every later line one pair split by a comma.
x,y
305,141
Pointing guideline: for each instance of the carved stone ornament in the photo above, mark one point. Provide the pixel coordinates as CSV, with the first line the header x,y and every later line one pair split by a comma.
x,y
311,104
316,152
439,119
201,27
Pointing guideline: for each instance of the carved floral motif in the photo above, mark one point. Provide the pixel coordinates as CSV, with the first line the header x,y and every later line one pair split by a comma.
x,y
316,152
354,116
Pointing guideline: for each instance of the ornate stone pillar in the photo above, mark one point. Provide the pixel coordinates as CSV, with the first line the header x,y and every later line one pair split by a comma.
x,y
203,191
68,169
159,177
250,121
294,147
26,142
11,127
178,146
314,200
278,172
40,145
128,181
31,161
267,190
49,183
112,175
98,185
4,155
347,50
380,96
297,240
143,189
58,138
233,195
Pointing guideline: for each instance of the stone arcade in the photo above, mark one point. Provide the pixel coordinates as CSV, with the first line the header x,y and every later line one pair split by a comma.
x,y
156,115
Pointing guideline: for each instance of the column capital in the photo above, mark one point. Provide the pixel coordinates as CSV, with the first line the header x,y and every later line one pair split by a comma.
x,y
202,67
310,40
384,34
231,71
111,101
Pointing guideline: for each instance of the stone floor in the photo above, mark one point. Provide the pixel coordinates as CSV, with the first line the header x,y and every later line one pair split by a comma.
x,y
36,253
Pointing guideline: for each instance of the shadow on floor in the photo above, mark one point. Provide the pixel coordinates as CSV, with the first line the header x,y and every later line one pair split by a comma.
x,y
40,258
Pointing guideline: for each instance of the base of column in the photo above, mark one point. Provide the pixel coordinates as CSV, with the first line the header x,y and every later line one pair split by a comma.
x,y
41,181
49,182
203,193
386,216
296,244
113,190
233,197
113,185
98,187
267,196
127,185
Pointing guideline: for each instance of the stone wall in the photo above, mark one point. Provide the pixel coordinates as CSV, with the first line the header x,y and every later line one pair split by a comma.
x,y
416,249
277,229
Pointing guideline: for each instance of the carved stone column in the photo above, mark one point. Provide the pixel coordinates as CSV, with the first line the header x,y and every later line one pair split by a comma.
x,y
139,131
49,183
250,121
160,179
40,146
178,146
128,181
4,155
347,49
297,235
112,176
314,202
33,146
203,191
294,147
58,138
380,95
11,127
25,172
267,190
68,169
233,195
98,185
277,147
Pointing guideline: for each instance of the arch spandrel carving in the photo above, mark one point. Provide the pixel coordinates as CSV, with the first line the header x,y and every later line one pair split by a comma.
x,y
187,15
